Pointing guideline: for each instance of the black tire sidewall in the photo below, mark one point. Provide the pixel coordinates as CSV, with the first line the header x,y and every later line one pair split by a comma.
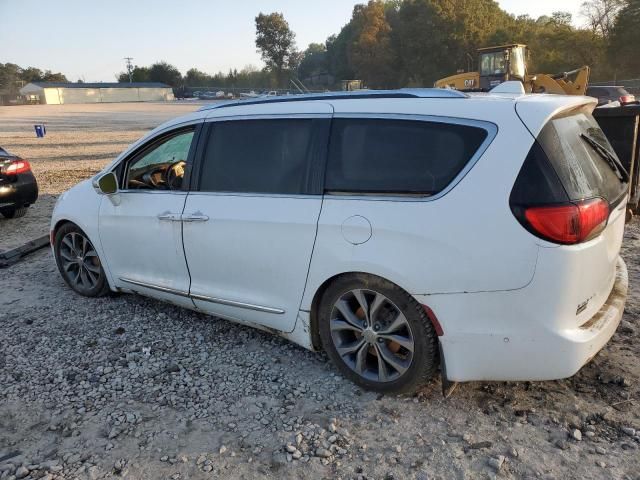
x,y
425,355
13,212
102,287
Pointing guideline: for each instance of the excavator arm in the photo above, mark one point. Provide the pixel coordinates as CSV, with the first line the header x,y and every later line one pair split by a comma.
x,y
574,82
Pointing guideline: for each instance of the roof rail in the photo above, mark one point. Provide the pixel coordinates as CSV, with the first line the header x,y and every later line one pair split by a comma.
x,y
360,94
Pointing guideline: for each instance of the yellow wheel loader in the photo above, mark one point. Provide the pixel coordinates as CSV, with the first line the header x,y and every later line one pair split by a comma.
x,y
509,62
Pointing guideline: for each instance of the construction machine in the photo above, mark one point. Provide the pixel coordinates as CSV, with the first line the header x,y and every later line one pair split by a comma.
x,y
509,62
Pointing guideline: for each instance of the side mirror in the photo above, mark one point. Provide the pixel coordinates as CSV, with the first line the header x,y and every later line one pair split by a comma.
x,y
108,184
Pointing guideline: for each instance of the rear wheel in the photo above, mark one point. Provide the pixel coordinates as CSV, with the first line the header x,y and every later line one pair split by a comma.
x,y
13,212
377,334
78,262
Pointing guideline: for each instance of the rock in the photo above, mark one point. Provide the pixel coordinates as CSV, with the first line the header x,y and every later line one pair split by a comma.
x,y
119,465
629,431
398,448
291,448
561,444
164,458
496,462
222,449
323,453
207,468
93,472
479,445
200,460
601,451
22,472
577,435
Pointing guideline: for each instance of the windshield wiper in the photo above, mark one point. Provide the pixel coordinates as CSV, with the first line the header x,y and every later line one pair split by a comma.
x,y
611,160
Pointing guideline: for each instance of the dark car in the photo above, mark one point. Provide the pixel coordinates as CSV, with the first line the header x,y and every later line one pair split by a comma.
x,y
608,94
18,186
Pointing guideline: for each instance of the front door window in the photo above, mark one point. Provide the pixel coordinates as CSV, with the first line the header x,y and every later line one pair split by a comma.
x,y
162,167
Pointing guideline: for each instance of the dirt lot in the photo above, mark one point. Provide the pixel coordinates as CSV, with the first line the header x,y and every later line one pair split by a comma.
x,y
126,387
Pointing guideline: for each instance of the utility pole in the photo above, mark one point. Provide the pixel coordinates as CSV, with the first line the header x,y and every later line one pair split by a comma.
x,y
129,68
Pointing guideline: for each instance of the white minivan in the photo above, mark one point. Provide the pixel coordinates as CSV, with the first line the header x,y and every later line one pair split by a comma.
x,y
397,230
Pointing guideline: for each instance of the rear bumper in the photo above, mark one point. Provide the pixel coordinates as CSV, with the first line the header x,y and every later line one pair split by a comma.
x,y
19,193
508,343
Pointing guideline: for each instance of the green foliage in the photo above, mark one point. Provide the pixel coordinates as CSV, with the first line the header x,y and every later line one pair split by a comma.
x,y
139,74
625,39
276,44
13,77
314,60
415,42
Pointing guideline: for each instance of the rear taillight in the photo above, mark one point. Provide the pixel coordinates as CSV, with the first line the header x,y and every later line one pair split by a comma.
x,y
568,223
627,99
16,167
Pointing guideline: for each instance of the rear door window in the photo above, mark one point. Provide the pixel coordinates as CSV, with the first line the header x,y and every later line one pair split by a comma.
x,y
271,156
568,142
398,156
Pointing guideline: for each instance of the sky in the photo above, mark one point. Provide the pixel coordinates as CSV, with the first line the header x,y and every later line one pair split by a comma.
x,y
88,40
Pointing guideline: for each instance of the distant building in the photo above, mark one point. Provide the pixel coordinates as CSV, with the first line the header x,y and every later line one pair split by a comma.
x,y
57,93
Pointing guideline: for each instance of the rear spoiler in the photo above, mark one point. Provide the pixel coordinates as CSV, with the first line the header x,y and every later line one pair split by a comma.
x,y
537,109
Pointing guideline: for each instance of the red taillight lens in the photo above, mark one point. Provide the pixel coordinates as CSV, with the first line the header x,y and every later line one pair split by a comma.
x,y
14,168
627,99
569,223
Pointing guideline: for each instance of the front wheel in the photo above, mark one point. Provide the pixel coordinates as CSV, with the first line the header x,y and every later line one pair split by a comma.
x,y
78,262
13,212
377,334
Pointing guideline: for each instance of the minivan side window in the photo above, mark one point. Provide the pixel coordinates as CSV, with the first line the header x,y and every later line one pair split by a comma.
x,y
270,156
398,156
162,166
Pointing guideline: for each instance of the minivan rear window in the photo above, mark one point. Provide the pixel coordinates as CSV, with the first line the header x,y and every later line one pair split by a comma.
x,y
577,148
398,156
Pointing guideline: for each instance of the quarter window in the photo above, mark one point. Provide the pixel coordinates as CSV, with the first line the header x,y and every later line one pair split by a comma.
x,y
398,156
281,156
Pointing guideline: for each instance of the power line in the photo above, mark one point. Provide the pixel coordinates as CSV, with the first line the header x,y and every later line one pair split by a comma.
x,y
129,68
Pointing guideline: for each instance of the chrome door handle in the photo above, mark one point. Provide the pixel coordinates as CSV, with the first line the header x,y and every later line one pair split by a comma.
x,y
195,217
170,217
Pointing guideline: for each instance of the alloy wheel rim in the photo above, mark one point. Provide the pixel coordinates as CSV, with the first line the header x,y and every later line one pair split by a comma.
x,y
80,262
372,335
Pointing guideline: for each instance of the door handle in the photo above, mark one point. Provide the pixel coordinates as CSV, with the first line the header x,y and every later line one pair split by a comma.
x,y
170,217
195,217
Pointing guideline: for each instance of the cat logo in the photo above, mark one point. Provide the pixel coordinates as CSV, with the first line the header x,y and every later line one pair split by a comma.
x,y
469,83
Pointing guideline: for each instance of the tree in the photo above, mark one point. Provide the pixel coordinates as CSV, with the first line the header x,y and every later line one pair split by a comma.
x,y
276,44
314,60
371,53
31,74
49,76
196,78
165,73
138,74
625,37
601,15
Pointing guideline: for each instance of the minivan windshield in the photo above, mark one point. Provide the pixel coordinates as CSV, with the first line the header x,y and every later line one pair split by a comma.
x,y
583,157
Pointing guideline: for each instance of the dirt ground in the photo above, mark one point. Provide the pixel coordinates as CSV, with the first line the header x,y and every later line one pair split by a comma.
x,y
127,387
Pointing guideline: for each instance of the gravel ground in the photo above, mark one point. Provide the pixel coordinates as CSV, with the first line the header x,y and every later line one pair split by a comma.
x,y
127,387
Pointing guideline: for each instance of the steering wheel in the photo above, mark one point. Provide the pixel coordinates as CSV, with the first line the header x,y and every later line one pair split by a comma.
x,y
174,174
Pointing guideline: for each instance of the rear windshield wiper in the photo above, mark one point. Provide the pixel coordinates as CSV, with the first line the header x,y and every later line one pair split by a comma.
x,y
611,160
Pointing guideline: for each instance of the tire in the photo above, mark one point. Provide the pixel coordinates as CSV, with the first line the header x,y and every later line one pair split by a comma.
x,y
13,212
381,363
78,262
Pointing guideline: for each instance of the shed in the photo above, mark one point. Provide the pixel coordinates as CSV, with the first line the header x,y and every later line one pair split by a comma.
x,y
57,93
